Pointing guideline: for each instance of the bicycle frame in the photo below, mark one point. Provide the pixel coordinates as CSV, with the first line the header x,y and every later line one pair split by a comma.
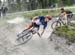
x,y
60,20
57,22
27,35
34,31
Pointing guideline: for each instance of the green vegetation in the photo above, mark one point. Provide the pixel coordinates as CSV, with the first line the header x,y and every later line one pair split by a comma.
x,y
27,5
31,14
41,12
65,31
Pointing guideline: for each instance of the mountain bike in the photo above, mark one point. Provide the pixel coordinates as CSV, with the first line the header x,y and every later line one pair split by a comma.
x,y
25,36
60,22
57,23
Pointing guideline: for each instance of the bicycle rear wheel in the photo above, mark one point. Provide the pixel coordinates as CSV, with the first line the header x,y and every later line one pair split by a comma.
x,y
55,24
25,38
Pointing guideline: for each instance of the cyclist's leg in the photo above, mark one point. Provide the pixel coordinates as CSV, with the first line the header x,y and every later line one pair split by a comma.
x,y
37,29
65,21
29,26
71,15
69,18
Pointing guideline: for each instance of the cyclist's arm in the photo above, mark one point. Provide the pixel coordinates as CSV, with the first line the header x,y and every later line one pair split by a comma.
x,y
62,14
34,18
42,32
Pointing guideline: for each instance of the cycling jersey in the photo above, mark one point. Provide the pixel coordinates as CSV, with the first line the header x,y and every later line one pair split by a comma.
x,y
68,13
40,20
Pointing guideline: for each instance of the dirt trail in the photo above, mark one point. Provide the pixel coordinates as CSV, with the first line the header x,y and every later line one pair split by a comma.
x,y
36,46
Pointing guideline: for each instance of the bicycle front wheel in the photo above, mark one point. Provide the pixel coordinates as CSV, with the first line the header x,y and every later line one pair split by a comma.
x,y
55,24
25,38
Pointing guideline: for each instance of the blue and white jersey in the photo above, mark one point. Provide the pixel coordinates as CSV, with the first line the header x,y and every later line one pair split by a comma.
x,y
41,21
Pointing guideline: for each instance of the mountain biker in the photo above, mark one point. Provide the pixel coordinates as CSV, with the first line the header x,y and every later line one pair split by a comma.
x,y
66,14
39,20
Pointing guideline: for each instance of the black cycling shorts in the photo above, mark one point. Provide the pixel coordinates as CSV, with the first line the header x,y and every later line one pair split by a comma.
x,y
35,25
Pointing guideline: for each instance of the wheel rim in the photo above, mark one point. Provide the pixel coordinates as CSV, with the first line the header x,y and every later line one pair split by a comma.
x,y
55,24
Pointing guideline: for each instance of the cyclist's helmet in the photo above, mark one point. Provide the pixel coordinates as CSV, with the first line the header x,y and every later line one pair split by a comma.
x,y
49,17
62,9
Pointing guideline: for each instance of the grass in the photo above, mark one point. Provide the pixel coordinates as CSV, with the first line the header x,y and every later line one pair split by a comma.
x,y
44,12
41,12
65,31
